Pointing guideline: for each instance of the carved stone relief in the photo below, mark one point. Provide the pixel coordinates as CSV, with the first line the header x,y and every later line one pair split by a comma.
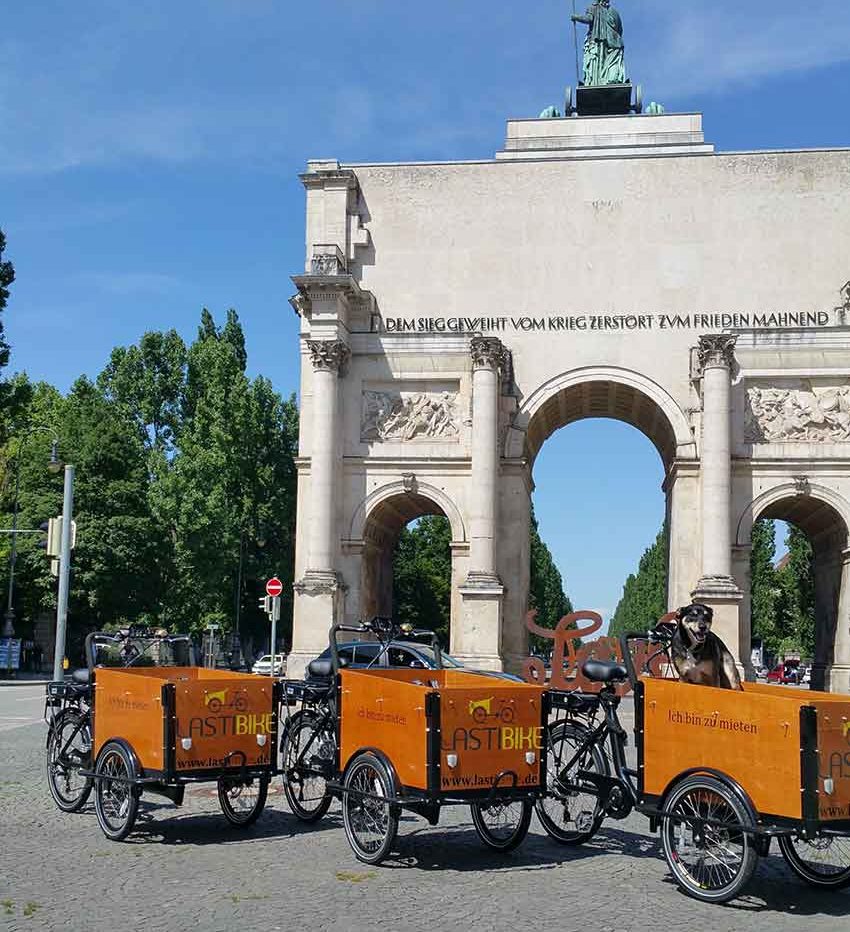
x,y
399,415
804,414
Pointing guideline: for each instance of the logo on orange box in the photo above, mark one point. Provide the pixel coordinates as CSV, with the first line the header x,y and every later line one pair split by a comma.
x,y
485,705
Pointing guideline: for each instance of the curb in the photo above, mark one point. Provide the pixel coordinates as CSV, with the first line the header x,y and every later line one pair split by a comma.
x,y
6,683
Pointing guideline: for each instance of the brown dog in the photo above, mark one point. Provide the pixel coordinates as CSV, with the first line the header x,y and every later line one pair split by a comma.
x,y
698,655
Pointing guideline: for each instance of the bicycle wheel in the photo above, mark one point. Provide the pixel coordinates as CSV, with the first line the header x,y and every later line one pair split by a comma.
x,y
306,752
501,825
370,819
707,851
116,800
242,801
570,815
823,862
69,752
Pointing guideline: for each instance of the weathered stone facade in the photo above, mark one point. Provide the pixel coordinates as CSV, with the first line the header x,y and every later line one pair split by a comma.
x,y
453,316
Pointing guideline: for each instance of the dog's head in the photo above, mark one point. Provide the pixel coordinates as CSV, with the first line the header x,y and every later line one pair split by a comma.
x,y
695,623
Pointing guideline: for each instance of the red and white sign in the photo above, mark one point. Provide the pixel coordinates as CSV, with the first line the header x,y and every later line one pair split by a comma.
x,y
274,587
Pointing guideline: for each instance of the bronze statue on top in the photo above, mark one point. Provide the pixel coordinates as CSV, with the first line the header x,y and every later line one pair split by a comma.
x,y
604,51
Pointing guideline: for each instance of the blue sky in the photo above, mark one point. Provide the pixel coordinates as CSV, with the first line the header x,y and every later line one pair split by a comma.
x,y
149,154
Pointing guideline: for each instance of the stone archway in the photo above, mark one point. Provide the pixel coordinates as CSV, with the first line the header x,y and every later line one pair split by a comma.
x,y
824,517
375,529
627,396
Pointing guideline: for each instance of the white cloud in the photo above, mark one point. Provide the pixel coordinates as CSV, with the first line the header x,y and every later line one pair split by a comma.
x,y
698,47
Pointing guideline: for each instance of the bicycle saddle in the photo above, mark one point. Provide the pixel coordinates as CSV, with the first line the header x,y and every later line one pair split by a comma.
x,y
323,669
81,676
604,671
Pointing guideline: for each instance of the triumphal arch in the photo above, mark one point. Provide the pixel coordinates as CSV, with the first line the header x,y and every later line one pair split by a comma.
x,y
454,315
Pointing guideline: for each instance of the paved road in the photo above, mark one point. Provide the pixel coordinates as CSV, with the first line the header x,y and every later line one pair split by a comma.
x,y
185,869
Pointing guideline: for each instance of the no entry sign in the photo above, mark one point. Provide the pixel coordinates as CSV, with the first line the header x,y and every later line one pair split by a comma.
x,y
274,587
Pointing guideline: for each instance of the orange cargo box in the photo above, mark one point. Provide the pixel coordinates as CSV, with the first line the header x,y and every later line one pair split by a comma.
x,y
447,732
788,749
181,721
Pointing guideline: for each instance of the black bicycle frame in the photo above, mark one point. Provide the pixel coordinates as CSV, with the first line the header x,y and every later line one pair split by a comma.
x,y
610,730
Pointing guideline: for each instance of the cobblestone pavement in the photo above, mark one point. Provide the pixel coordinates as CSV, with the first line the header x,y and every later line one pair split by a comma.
x,y
186,869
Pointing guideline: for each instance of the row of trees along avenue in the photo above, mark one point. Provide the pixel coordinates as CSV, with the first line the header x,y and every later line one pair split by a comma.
x,y
783,593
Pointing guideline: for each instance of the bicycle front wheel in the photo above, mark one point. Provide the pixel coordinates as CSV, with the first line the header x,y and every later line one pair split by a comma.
x,y
571,811
708,850
69,752
242,801
823,862
501,825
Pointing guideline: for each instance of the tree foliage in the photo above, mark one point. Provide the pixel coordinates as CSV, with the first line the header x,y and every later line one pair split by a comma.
x,y
546,589
422,575
185,487
644,598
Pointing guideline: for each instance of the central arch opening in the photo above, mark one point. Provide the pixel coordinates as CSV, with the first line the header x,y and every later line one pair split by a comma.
x,y
604,447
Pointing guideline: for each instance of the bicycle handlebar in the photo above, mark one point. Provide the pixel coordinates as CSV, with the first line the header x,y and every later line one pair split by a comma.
x,y
660,634
101,637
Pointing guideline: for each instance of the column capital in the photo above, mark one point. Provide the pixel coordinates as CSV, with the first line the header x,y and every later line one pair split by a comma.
x,y
328,355
716,349
487,353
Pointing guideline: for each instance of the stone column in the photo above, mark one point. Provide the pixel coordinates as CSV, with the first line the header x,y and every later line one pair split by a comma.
x,y
328,358
487,359
482,592
317,592
716,586
838,675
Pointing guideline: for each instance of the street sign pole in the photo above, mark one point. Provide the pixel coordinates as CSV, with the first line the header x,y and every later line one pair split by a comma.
x,y
274,589
64,576
275,617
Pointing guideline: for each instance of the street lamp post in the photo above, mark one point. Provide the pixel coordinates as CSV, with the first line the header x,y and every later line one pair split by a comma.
x,y
9,622
64,574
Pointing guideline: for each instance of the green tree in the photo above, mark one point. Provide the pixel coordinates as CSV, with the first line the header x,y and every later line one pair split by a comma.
x,y
795,607
644,598
7,276
546,589
764,586
422,575
12,393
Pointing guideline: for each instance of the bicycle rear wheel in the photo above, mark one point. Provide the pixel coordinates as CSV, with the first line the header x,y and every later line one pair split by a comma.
x,y
570,812
69,752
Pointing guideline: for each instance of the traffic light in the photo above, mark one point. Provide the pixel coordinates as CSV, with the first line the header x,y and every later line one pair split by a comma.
x,y
265,603
51,543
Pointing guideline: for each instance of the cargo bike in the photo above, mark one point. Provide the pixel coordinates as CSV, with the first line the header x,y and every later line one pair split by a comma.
x,y
720,773
385,741
141,718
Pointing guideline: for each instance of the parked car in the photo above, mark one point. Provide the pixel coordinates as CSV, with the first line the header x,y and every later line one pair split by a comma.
x,y
784,675
264,664
398,654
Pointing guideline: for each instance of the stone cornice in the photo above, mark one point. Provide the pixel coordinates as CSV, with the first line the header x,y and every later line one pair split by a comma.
x,y
487,353
334,177
716,349
328,355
